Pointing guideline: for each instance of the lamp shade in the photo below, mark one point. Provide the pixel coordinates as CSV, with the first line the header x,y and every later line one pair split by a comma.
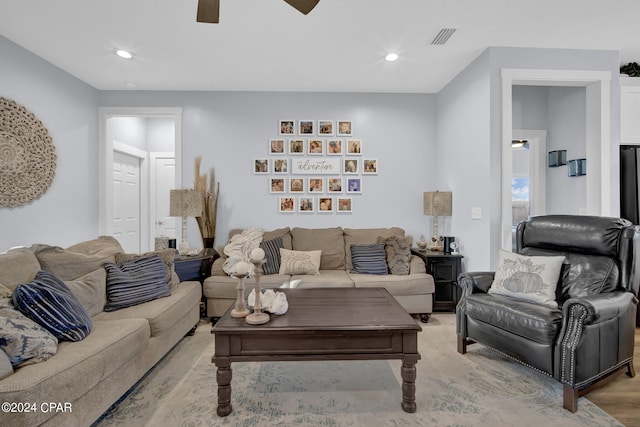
x,y
185,203
437,203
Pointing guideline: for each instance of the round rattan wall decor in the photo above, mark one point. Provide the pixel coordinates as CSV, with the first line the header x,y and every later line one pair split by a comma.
x,y
27,155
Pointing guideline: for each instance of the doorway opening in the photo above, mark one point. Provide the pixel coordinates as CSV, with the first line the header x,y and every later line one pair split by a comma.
x,y
145,142
598,135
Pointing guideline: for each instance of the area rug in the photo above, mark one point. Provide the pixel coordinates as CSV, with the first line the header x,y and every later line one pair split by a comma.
x,y
481,388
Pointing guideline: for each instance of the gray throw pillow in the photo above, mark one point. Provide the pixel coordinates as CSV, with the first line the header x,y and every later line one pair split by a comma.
x,y
135,282
369,259
398,251
272,255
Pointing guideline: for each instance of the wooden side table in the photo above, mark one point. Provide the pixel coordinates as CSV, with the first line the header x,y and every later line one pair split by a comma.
x,y
196,267
445,269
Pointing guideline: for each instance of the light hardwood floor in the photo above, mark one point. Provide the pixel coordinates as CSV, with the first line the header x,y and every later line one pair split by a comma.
x,y
621,397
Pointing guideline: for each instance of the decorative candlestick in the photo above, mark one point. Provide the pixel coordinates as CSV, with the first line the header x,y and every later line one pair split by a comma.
x,y
242,271
257,317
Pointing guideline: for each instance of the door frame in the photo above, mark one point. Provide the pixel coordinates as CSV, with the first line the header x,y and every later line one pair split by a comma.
x,y
598,136
105,161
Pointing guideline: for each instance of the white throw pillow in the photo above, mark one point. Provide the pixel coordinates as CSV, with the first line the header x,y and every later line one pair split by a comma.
x,y
299,262
529,278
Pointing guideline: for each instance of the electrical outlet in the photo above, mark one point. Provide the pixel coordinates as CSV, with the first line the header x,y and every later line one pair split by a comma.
x,y
476,213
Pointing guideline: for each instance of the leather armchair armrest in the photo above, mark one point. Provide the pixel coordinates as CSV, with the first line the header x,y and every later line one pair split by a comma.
x,y
599,308
475,282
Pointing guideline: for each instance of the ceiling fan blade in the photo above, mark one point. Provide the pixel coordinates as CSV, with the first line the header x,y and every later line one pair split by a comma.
x,y
304,6
208,11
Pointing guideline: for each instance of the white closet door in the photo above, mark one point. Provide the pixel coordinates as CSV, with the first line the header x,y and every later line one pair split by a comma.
x,y
126,201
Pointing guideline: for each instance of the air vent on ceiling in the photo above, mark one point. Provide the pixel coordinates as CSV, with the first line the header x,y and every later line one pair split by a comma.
x,y
443,36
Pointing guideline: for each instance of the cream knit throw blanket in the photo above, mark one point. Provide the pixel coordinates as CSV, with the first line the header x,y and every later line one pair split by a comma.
x,y
239,248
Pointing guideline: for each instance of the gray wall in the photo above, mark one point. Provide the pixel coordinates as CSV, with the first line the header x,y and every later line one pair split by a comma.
x,y
68,211
469,149
230,129
448,141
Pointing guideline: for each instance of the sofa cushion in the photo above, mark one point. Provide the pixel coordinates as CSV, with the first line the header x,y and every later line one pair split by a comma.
x,y
398,251
325,279
329,240
90,290
135,281
299,262
361,236
166,255
413,284
161,313
225,287
71,263
272,255
529,278
369,259
533,321
50,303
283,233
79,366
18,266
22,340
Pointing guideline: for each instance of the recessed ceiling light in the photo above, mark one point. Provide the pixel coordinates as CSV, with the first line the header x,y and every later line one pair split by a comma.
x,y
391,57
124,54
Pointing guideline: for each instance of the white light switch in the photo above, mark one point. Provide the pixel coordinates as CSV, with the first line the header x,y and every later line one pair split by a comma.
x,y
476,213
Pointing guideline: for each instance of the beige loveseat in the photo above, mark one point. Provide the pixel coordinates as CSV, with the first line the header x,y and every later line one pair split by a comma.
x,y
414,291
84,378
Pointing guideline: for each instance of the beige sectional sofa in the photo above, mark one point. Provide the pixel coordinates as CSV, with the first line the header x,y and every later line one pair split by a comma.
x,y
86,377
414,291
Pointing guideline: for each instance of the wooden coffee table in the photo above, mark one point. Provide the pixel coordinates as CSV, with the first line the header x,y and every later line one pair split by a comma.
x,y
322,324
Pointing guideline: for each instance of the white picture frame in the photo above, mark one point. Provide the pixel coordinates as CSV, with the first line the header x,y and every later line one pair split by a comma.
x,y
277,146
344,204
280,166
286,204
334,185
261,166
325,204
354,185
344,128
306,127
334,147
315,185
350,166
369,166
353,147
296,147
315,147
306,204
287,127
325,127
277,185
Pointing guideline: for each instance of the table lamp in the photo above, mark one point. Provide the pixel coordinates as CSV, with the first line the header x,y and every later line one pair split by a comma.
x,y
185,203
437,203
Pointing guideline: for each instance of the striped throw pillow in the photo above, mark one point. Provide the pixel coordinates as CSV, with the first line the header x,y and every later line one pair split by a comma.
x,y
135,282
369,259
272,255
48,301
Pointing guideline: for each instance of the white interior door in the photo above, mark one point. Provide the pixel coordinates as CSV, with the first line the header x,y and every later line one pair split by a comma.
x,y
162,181
126,201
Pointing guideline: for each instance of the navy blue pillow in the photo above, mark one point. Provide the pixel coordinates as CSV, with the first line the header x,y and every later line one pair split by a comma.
x,y
135,282
49,302
369,259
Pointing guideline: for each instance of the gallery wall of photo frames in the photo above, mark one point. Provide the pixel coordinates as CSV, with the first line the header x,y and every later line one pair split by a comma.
x,y
315,166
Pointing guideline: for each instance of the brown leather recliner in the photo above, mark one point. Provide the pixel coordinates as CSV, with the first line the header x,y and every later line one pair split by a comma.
x,y
591,334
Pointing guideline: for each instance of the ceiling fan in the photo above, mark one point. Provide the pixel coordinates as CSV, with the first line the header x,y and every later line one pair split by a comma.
x,y
209,10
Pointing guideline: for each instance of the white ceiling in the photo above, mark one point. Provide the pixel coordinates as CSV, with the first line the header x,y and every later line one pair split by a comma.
x,y
266,45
